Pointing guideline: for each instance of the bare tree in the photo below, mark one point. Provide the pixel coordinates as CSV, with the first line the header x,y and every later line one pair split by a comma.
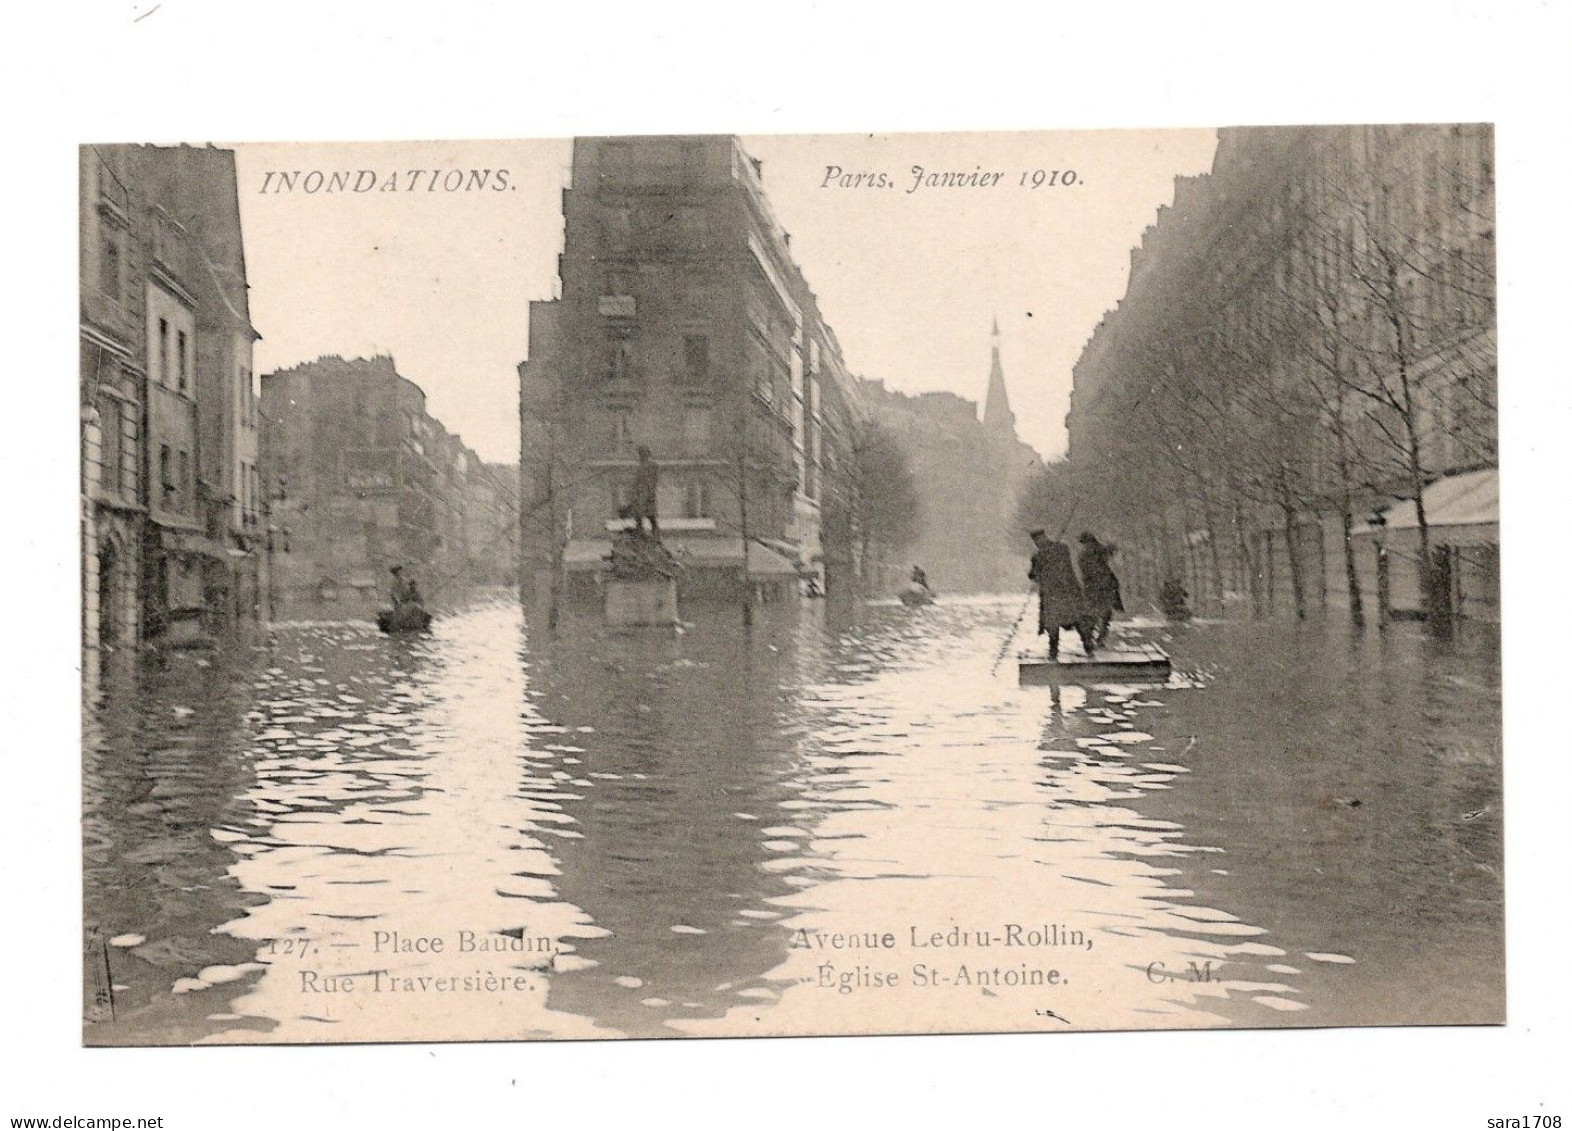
x,y
1412,275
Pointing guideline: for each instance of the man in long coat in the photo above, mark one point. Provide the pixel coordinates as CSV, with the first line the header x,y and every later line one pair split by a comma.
x,y
1100,584
1060,602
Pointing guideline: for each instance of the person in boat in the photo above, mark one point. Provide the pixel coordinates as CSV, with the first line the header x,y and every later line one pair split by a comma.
x,y
920,577
405,591
646,481
1060,602
1100,584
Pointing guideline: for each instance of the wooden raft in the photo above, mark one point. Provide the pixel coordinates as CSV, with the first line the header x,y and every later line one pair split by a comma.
x,y
1143,662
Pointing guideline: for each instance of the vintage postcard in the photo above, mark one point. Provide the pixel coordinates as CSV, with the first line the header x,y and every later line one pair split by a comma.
x,y
663,586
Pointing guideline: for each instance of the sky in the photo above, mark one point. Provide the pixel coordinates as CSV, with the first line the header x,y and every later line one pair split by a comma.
x,y
911,279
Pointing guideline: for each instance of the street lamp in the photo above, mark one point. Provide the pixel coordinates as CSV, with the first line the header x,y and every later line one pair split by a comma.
x,y
1383,570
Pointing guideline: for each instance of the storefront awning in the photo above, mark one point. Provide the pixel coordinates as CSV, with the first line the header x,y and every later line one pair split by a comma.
x,y
1458,508
592,554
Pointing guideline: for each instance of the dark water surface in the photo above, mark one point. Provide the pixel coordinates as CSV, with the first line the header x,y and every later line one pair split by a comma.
x,y
1299,828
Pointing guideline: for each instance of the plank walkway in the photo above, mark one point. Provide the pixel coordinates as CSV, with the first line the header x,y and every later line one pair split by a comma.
x,y
1121,661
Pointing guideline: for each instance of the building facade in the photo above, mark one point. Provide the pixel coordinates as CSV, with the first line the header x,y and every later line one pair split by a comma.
x,y
682,326
170,546
359,477
491,529
1299,385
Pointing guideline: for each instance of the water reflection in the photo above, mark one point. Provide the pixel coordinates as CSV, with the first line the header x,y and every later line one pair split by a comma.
x,y
649,834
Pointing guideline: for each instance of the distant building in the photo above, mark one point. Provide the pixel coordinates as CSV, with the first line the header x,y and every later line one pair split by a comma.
x,y
683,326
491,524
171,534
968,473
360,478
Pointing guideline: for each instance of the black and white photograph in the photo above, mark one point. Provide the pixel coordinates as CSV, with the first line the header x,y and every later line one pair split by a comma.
x,y
680,585
791,567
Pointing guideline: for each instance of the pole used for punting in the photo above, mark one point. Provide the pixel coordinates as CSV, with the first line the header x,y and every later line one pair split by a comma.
x,y
1004,645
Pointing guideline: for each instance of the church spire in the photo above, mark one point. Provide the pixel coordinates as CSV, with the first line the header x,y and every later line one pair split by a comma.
x,y
997,417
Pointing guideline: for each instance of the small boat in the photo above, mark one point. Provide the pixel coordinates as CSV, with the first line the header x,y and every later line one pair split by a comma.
x,y
915,595
1132,662
406,618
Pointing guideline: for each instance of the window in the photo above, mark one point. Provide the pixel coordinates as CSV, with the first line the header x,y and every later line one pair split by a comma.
x,y
696,358
183,484
696,430
165,473
163,351
619,429
111,426
180,359
109,265
619,358
619,283
696,503
161,237
247,401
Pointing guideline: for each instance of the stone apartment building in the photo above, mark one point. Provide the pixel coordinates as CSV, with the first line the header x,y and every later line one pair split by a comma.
x,y
360,477
1324,296
683,326
170,512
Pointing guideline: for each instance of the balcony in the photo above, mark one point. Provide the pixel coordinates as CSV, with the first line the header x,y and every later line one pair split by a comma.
x,y
669,524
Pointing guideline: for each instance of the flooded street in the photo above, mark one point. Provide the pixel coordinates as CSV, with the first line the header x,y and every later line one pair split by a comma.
x,y
822,827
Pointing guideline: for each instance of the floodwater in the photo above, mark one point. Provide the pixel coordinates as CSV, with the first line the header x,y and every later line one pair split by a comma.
x,y
325,834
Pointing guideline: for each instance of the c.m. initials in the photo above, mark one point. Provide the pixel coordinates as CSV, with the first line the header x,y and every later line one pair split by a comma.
x,y
1193,972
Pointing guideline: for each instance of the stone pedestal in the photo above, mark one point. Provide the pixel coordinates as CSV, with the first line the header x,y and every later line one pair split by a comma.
x,y
643,602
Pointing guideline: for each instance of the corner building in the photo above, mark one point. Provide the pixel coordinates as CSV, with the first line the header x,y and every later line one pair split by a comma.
x,y
684,326
361,478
